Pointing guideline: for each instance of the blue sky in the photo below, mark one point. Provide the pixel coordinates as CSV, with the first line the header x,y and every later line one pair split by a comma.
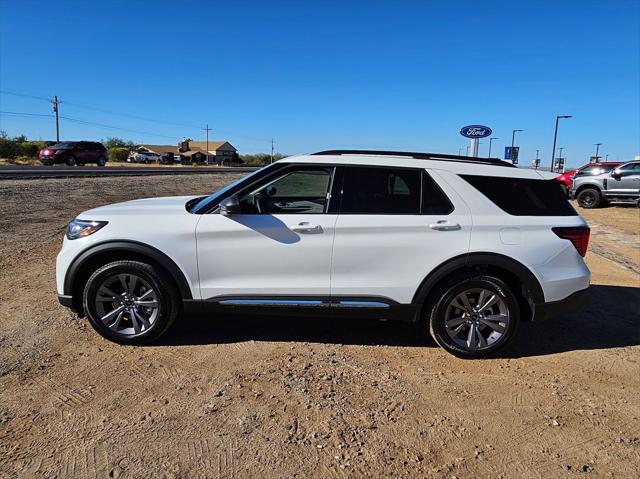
x,y
317,75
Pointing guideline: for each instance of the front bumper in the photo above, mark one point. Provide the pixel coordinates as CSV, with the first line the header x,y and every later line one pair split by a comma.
x,y
570,304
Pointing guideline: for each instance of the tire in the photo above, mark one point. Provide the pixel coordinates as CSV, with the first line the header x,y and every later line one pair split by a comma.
x,y
70,161
451,327
128,321
101,161
589,198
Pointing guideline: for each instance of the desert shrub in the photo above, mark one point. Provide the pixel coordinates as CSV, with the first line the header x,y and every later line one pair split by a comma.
x,y
118,154
30,149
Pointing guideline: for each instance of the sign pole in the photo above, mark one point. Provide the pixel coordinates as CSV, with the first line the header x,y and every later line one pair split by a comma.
x,y
474,133
474,147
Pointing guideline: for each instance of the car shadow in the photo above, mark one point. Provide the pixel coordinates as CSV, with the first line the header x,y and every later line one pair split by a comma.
x,y
269,226
610,319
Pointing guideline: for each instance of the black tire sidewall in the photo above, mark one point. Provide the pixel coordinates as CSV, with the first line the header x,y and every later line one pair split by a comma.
x,y
70,160
101,161
584,193
167,307
437,318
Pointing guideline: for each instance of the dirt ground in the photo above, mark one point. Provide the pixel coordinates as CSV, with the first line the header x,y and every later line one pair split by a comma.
x,y
305,397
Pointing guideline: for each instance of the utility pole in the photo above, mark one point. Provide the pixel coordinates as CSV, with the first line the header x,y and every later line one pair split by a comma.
x,y
56,109
597,151
207,130
271,150
459,151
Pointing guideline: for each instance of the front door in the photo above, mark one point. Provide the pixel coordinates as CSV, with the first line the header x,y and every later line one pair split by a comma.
x,y
624,180
278,246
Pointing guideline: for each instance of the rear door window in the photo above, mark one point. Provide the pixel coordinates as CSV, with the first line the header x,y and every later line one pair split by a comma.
x,y
522,196
381,191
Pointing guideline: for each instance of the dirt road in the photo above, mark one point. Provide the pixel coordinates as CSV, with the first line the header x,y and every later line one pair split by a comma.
x,y
300,397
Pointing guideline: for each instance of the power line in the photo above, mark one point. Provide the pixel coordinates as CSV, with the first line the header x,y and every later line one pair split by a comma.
x,y
21,113
135,117
111,127
79,121
25,95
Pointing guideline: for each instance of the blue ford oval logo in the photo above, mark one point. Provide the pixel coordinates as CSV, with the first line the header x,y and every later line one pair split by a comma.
x,y
475,131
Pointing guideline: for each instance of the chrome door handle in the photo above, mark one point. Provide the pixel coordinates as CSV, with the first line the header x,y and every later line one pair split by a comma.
x,y
444,225
306,227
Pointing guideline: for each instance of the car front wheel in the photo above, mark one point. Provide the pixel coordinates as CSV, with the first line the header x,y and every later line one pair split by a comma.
x,y
589,198
101,161
70,161
130,302
475,317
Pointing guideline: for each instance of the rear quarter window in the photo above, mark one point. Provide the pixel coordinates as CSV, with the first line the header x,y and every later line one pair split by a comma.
x,y
523,196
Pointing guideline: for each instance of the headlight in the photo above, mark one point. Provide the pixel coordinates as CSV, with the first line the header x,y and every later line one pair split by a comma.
x,y
81,228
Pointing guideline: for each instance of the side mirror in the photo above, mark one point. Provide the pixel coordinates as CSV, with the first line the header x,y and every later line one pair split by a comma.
x,y
616,174
230,206
271,190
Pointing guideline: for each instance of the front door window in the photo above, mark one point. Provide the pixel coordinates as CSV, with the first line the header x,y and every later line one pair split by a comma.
x,y
303,191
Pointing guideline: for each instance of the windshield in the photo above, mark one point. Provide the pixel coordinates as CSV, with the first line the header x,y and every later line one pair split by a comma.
x,y
205,203
65,145
596,169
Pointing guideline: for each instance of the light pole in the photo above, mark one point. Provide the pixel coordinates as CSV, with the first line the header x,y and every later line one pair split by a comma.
x,y
555,138
597,151
491,141
560,155
467,151
459,151
513,139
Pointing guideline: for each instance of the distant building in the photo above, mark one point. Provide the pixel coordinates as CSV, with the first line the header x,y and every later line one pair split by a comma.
x,y
220,152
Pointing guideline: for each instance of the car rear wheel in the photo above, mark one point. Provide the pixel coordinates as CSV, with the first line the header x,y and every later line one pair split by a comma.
x,y
475,317
589,198
70,161
101,161
130,302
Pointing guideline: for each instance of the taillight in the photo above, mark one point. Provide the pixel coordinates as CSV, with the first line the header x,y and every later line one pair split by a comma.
x,y
579,236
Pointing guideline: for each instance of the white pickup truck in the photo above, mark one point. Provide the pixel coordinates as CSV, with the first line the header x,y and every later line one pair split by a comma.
x,y
143,157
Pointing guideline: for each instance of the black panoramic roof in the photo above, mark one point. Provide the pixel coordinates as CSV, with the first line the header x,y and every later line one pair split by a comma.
x,y
421,156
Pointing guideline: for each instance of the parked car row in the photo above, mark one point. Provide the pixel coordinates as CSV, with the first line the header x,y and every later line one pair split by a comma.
x,y
73,153
164,159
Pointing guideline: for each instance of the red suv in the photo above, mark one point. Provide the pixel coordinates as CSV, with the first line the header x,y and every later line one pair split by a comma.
x,y
74,153
588,169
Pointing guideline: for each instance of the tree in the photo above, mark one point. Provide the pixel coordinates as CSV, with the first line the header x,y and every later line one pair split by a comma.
x,y
114,142
260,159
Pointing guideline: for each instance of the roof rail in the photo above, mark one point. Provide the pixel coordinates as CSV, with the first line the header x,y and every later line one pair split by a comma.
x,y
420,156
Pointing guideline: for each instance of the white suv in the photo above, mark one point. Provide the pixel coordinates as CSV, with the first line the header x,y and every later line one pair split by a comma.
x,y
469,247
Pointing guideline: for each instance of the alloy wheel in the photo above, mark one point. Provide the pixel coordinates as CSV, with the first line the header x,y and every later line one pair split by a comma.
x,y
127,304
476,319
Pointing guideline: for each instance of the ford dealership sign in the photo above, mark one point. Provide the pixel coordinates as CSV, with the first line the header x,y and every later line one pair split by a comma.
x,y
476,131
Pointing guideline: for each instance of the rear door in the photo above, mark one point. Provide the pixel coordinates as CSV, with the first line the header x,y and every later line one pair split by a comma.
x,y
81,152
395,225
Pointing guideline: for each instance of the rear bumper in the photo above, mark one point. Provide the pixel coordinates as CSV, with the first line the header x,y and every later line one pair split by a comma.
x,y
570,304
